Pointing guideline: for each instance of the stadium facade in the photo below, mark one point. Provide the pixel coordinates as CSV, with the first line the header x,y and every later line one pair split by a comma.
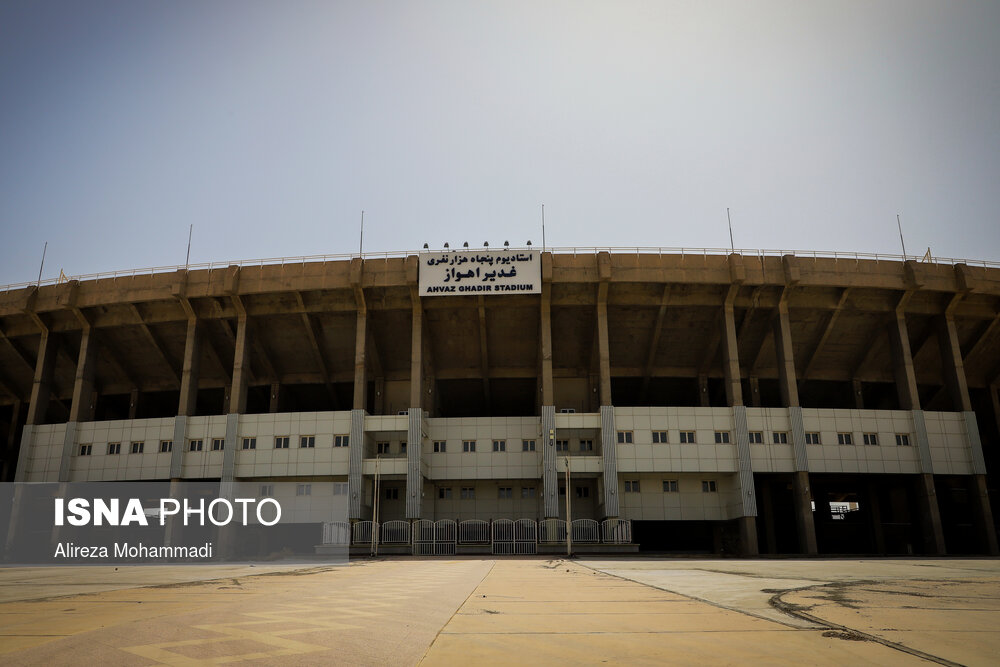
x,y
752,403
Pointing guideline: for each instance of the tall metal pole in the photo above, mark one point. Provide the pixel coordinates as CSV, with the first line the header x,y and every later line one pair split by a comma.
x,y
899,226
728,217
43,264
361,246
543,227
187,260
569,517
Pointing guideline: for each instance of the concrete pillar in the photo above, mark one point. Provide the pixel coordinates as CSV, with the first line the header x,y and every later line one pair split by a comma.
x,y
875,512
902,363
379,407
859,397
734,397
784,354
983,513
41,388
548,397
416,351
414,474
754,391
275,397
804,522
768,504
82,407
241,368
13,434
603,352
952,366
730,352
187,405
355,479
704,400
550,479
748,536
360,375
610,455
133,403
930,515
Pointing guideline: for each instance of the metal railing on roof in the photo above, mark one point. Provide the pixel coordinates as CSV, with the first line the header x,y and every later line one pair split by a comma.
x,y
565,250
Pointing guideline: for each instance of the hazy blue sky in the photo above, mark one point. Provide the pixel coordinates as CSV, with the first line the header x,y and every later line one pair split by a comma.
x,y
271,125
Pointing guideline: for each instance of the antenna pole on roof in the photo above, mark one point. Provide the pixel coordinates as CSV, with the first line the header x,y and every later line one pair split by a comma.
x,y
731,244
543,227
361,246
43,264
899,226
187,260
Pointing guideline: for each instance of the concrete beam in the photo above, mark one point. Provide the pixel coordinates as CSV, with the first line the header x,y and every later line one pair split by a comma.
x,y
314,335
654,340
157,345
952,366
827,329
978,344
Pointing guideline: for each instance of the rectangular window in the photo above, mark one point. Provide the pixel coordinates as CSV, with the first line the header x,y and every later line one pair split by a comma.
x,y
468,445
218,444
583,492
659,437
631,486
307,442
114,448
86,449
625,437
505,492
499,445
266,490
340,488
780,438
166,446
392,494
444,493
381,447
870,438
756,438
137,447
468,493
303,489
195,445
281,442
812,438
670,486
527,445
902,440
402,447
562,445
845,439
440,446
341,441
722,437
687,437
249,443
586,445
527,492
708,486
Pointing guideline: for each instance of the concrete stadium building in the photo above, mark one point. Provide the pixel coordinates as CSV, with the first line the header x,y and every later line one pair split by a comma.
x,y
766,403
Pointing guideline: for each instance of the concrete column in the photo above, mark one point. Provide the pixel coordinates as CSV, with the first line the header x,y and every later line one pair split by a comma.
x,y
730,352
241,368
766,501
13,434
859,397
548,397
275,397
902,363
785,356
416,351
610,454
804,521
703,397
952,366
379,408
748,499
360,375
82,408
603,352
930,515
414,474
550,479
875,512
187,405
41,388
754,391
133,403
983,513
355,479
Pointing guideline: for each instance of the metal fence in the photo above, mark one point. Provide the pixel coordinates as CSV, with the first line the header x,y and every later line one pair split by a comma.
x,y
616,531
551,531
586,531
395,532
362,532
474,531
337,532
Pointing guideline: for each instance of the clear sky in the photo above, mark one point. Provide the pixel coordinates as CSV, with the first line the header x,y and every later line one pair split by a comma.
x,y
271,125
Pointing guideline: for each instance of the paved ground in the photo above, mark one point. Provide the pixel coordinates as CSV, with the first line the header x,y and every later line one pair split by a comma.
x,y
532,611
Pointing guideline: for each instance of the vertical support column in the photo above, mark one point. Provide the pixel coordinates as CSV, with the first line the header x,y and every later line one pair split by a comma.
x,y
952,365
188,402
12,439
902,360
360,341
754,391
730,350
803,512
548,397
878,533
38,404
241,368
355,479
416,350
603,352
608,449
785,354
609,445
275,401
734,397
414,472
81,409
550,479
859,397
983,512
703,397
133,403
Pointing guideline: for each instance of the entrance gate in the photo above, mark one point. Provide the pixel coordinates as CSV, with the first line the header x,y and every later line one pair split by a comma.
x,y
514,538
434,538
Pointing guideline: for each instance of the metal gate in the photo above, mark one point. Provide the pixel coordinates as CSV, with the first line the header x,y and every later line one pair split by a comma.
x,y
510,538
434,538
423,537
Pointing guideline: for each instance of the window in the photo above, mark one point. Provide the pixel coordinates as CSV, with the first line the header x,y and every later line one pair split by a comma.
x,y
722,437
527,492
586,445
86,449
341,441
340,488
670,486
631,486
114,448
499,445
625,437
870,438
687,437
659,437
281,442
218,444
505,492
266,490
567,411
708,486
562,445
392,494
583,492
137,447
902,439
402,447
307,441
845,439
303,489
166,446
756,438
527,445
440,446
468,445
195,446
249,443
381,447
468,493
444,493
780,437
812,438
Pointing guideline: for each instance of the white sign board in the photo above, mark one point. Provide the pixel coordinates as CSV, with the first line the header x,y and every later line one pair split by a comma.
x,y
481,272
